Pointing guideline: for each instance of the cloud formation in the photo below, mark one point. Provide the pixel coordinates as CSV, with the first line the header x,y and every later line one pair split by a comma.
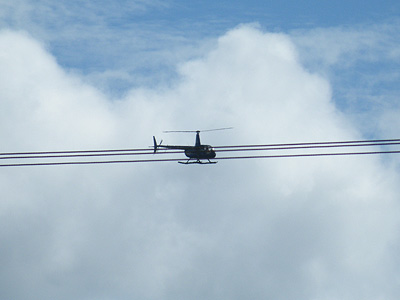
x,y
362,64
323,228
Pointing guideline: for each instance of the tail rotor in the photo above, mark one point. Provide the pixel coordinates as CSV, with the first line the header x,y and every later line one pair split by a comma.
x,y
155,145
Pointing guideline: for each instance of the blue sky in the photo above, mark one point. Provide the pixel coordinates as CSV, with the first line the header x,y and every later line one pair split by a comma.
x,y
155,23
111,74
142,42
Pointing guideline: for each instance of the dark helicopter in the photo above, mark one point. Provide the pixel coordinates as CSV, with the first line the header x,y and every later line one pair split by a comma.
x,y
196,153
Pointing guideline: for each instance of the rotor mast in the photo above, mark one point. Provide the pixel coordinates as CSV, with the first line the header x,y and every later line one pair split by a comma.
x,y
197,144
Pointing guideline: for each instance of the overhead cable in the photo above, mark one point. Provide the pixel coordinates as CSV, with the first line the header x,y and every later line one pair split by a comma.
x,y
239,148
180,159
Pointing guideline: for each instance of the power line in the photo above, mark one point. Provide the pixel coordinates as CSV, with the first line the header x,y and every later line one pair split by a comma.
x,y
180,159
150,149
87,162
82,155
53,155
309,146
72,152
239,148
317,143
310,155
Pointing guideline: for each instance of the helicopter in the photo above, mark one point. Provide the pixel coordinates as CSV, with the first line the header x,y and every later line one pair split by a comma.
x,y
197,153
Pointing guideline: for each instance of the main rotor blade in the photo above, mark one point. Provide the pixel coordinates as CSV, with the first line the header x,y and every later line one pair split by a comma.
x,y
206,130
225,128
171,131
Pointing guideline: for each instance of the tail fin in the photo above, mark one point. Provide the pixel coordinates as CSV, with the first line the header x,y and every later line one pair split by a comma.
x,y
155,144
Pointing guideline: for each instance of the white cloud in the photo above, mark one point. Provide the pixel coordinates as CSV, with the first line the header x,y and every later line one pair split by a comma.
x,y
322,228
361,63
347,45
103,38
44,101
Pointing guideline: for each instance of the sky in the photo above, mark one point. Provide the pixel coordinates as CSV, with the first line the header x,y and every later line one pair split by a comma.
x,y
109,75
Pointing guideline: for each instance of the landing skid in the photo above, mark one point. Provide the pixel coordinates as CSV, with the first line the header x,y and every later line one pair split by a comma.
x,y
189,162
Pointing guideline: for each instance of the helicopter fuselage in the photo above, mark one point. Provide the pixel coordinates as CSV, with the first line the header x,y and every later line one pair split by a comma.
x,y
200,152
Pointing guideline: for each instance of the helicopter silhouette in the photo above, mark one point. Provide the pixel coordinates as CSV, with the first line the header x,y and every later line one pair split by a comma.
x,y
197,153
